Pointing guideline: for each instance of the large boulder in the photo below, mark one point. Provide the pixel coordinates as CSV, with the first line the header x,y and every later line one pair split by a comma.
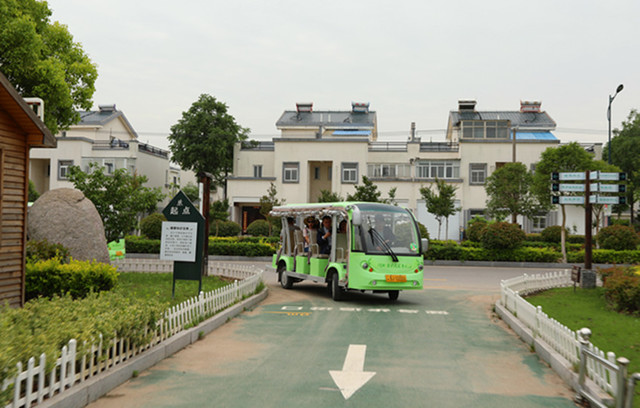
x,y
66,216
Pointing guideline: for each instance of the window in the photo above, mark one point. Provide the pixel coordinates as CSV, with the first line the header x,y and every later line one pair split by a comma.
x,y
388,170
438,168
477,173
257,171
480,129
316,173
349,172
538,223
290,172
109,166
63,169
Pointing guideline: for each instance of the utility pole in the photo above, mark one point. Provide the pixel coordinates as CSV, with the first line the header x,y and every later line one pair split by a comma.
x,y
513,152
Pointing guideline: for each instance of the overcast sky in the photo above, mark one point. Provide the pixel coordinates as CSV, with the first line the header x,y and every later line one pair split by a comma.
x,y
412,60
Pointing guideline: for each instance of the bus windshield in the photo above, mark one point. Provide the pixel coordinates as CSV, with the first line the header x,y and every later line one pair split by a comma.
x,y
391,232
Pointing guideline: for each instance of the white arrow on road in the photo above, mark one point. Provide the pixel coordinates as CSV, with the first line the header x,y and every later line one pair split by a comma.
x,y
352,376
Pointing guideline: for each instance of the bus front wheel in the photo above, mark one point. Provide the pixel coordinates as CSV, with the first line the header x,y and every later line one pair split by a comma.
x,y
393,294
336,290
285,280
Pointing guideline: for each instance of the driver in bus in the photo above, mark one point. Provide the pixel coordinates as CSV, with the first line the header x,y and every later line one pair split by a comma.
x,y
324,235
384,229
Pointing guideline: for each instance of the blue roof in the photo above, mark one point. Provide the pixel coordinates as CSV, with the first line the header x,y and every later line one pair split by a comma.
x,y
535,136
352,133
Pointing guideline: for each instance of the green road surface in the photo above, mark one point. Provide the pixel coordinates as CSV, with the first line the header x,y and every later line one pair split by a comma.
x,y
433,348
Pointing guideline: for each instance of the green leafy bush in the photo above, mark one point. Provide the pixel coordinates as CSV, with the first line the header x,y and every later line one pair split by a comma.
x,y
219,247
258,228
46,325
476,228
78,278
502,235
618,237
151,225
140,245
224,228
42,250
606,256
622,289
423,231
450,251
552,233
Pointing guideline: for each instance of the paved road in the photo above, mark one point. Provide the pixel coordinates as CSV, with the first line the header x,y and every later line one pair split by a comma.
x,y
440,347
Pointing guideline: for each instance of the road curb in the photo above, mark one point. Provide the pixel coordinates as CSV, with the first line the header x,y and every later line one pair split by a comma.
x,y
86,392
559,364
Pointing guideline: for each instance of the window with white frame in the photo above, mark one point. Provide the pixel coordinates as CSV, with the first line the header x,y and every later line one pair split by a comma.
x,y
538,223
477,173
349,172
63,169
290,172
257,171
442,169
109,166
388,170
484,129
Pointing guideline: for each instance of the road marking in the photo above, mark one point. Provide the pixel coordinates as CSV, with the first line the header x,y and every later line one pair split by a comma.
x,y
437,312
293,313
352,377
292,310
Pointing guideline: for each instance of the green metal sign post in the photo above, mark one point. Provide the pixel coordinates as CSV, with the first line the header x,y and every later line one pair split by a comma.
x,y
183,240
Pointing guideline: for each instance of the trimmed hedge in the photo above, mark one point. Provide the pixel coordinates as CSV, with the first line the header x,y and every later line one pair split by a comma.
x,y
622,289
224,228
453,252
139,245
618,237
78,278
46,325
240,248
606,256
502,235
151,225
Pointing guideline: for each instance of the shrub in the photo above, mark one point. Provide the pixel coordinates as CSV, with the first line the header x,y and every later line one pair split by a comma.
x,y
618,237
503,235
224,228
46,325
450,251
42,250
258,228
141,245
151,225
78,278
606,256
476,228
220,247
622,289
423,231
552,233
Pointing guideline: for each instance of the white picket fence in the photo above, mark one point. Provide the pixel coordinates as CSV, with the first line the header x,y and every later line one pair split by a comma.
x,y
231,270
33,385
559,337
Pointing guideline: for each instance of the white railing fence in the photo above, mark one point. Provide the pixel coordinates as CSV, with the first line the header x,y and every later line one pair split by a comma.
x,y
231,270
562,339
34,384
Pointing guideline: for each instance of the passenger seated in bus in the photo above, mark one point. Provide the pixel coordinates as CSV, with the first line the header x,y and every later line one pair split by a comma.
x,y
342,227
311,224
324,236
384,229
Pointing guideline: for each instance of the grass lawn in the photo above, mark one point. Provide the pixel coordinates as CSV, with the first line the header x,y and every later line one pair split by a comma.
x,y
158,286
610,331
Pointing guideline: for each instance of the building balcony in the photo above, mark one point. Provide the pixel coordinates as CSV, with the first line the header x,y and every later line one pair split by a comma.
x,y
155,151
439,147
258,146
387,146
114,144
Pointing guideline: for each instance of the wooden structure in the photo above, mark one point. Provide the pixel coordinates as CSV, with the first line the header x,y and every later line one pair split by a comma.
x,y
20,130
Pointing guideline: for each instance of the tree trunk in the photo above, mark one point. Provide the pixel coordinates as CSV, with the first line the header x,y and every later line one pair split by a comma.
x,y
446,229
439,227
563,238
514,218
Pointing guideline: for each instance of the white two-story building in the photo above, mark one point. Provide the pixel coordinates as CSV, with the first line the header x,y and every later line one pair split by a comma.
x,y
106,137
332,150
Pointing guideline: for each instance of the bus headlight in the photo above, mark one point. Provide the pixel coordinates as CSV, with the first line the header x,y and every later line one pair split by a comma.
x,y
420,267
365,265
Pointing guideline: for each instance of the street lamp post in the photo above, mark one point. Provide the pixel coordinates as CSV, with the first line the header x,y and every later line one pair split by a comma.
x,y
611,98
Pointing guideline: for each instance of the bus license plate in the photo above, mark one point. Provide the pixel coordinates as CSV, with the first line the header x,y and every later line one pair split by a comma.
x,y
396,278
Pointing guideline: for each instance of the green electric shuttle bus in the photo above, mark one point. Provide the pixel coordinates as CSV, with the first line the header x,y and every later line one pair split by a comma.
x,y
364,246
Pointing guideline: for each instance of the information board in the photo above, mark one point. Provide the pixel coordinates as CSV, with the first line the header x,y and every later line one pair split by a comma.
x,y
179,241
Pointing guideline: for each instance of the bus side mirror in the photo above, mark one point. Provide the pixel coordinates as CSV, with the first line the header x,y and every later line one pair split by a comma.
x,y
356,217
425,244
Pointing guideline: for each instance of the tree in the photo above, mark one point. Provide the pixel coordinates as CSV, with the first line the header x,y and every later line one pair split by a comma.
x,y
204,138
327,196
41,60
625,150
267,202
566,158
192,192
219,211
367,192
119,198
509,191
442,204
